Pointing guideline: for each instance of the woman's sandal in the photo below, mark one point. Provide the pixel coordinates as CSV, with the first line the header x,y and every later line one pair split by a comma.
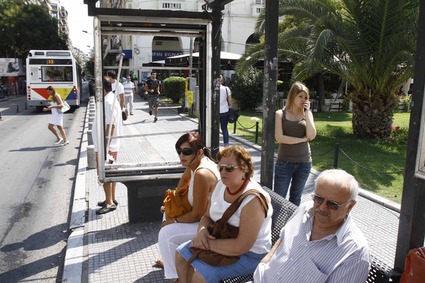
x,y
159,263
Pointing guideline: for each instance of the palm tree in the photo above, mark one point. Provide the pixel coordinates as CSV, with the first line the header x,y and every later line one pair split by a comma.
x,y
369,44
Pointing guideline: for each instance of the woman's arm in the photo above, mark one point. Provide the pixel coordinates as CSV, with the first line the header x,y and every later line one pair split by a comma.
x,y
278,131
229,97
251,220
204,182
310,127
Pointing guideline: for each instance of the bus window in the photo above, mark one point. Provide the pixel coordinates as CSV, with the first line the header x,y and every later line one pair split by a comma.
x,y
56,74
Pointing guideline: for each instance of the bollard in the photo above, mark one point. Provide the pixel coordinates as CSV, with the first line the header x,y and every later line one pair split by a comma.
x,y
256,132
91,157
336,155
257,123
91,119
90,137
26,106
234,127
17,108
1,117
90,125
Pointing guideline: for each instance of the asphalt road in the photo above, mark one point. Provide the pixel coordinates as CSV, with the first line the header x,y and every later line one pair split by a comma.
x,y
36,187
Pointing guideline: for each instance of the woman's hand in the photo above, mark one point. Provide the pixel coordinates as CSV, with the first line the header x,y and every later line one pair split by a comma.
x,y
306,105
201,240
166,222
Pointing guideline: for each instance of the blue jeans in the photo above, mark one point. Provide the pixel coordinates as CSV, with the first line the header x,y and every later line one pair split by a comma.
x,y
296,174
224,120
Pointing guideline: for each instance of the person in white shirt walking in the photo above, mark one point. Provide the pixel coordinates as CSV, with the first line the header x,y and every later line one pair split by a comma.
x,y
129,91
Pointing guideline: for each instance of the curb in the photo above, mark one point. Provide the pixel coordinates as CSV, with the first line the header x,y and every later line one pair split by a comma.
x,y
74,255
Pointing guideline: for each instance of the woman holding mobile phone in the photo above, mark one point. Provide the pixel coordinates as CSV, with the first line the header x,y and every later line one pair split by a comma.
x,y
294,129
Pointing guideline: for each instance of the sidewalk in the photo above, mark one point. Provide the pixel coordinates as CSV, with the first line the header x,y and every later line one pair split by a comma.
x,y
107,248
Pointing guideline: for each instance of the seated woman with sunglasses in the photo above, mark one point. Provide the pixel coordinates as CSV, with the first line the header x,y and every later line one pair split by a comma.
x,y
254,237
201,176
321,242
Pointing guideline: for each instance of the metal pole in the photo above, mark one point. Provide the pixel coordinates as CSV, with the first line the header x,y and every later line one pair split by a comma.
x,y
256,132
234,128
336,155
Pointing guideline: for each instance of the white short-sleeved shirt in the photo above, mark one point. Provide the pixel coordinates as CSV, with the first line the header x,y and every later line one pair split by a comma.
x,y
117,88
128,88
111,117
224,93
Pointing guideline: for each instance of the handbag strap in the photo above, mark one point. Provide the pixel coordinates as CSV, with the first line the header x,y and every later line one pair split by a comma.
x,y
237,203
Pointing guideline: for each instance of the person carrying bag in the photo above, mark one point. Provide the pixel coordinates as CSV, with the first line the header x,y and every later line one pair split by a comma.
x,y
221,229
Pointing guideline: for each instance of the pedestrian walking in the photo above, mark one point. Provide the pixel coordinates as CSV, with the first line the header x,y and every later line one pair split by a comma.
x,y
294,128
225,104
152,88
129,91
57,116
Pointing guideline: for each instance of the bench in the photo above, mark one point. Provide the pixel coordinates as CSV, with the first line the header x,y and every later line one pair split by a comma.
x,y
282,210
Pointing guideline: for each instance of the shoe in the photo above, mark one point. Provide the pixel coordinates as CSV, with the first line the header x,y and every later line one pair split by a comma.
x,y
131,113
159,263
150,112
102,203
155,119
64,142
59,141
106,209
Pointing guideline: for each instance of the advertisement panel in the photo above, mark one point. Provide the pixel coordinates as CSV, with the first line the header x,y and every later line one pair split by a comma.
x,y
11,67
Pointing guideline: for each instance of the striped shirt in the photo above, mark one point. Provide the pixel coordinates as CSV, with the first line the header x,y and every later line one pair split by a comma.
x,y
340,257
128,88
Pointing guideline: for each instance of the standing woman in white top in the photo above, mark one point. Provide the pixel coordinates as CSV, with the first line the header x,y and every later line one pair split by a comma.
x,y
225,104
201,176
57,117
254,237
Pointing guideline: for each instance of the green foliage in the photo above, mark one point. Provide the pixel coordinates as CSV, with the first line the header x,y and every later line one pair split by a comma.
x,y
27,26
174,88
378,165
369,44
247,88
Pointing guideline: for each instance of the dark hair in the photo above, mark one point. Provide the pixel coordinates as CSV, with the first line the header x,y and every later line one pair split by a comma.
x,y
111,74
106,84
195,141
50,88
243,158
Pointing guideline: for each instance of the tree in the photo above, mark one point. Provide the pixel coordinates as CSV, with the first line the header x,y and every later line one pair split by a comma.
x,y
369,44
27,26
247,89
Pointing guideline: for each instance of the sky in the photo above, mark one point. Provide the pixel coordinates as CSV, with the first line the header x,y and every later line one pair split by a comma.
x,y
78,20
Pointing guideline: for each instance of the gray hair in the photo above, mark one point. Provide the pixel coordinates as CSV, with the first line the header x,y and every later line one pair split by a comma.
x,y
341,178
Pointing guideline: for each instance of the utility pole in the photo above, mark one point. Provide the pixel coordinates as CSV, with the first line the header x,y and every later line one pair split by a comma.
x,y
269,92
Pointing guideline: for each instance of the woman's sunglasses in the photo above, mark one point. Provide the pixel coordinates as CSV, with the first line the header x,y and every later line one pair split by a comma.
x,y
229,168
185,151
329,203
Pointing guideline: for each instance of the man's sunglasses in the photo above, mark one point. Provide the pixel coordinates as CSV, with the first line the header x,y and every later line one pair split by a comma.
x,y
329,203
229,168
185,151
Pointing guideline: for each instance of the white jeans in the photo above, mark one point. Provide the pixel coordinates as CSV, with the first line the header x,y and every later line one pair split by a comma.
x,y
169,238
128,103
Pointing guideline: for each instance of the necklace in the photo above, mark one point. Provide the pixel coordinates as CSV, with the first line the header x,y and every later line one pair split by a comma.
x,y
238,190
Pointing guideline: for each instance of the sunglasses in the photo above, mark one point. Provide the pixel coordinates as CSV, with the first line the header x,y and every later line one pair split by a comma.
x,y
329,203
228,167
185,151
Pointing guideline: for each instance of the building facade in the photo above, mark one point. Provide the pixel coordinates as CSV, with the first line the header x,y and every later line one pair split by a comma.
x,y
239,19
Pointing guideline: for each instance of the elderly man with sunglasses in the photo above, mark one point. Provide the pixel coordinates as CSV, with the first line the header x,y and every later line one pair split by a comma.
x,y
321,242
